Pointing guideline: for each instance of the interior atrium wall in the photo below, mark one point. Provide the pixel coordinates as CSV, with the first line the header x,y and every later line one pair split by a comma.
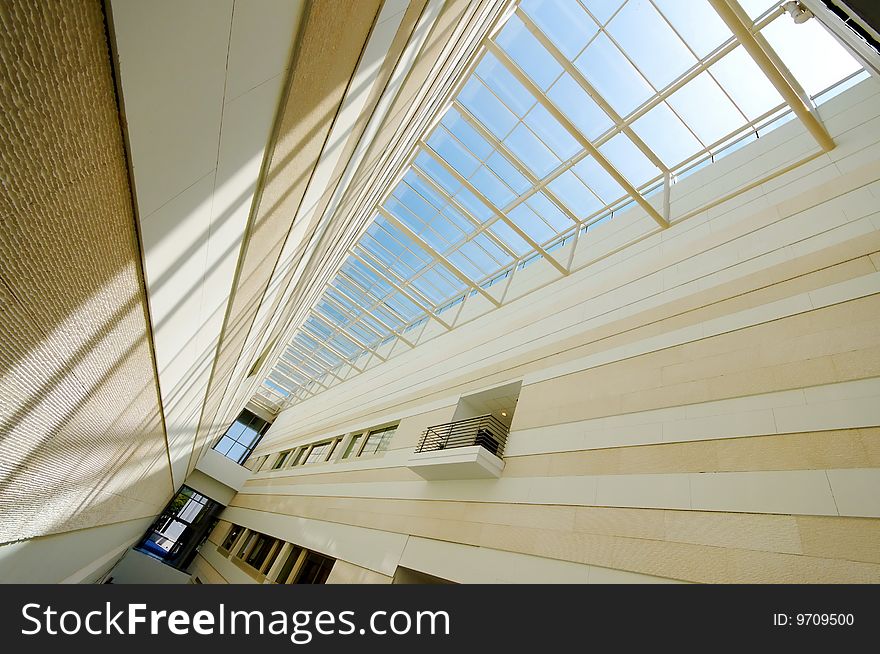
x,y
698,404
83,462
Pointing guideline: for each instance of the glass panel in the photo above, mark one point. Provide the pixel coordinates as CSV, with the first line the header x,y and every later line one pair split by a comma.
x,y
353,446
613,76
234,532
528,53
697,23
315,569
576,196
602,10
813,56
568,96
289,562
378,440
666,135
599,181
650,43
740,76
707,111
319,452
564,21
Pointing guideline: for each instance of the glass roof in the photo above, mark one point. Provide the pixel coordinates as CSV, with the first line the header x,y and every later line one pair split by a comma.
x,y
563,95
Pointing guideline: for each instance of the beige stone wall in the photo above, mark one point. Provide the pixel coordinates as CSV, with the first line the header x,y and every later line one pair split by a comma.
x,y
698,405
81,437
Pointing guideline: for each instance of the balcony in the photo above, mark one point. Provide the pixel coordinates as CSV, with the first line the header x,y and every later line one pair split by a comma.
x,y
464,449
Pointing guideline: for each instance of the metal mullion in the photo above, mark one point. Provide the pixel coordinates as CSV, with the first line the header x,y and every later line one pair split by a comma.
x,y
384,274
590,90
325,314
314,354
585,142
479,226
427,223
381,303
396,281
750,126
305,374
272,391
596,20
497,265
395,258
664,170
708,72
455,271
304,366
408,292
347,358
484,161
777,61
276,382
514,160
377,301
732,14
340,331
287,371
354,318
325,368
702,66
355,310
407,248
296,384
422,278
361,282
496,210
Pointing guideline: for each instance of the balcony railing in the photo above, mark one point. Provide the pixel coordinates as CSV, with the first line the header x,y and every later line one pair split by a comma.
x,y
486,431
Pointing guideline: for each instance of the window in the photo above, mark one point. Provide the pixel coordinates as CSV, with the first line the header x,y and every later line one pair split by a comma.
x,y
289,564
378,440
242,436
182,526
261,553
315,569
234,532
282,457
248,543
353,448
255,464
299,457
320,451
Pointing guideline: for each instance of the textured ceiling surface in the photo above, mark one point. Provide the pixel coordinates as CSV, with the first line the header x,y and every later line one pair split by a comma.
x,y
81,436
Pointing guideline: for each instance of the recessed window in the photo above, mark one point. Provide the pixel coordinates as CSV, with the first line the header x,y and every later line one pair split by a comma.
x,y
315,569
378,440
280,461
242,436
354,446
229,541
320,451
267,558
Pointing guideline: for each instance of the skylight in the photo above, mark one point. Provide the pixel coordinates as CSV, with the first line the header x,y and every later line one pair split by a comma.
x,y
574,109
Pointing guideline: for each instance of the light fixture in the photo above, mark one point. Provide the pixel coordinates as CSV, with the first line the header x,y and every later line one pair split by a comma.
x,y
798,12
504,413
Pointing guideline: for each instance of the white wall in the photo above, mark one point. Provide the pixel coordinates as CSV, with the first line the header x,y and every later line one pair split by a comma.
x,y
200,83
70,557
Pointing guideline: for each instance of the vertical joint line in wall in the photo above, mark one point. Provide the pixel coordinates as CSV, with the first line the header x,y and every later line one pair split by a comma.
x,y
831,490
112,56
